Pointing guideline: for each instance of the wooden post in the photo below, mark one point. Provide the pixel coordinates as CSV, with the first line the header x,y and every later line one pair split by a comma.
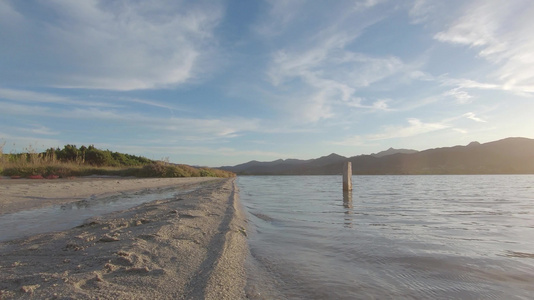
x,y
347,176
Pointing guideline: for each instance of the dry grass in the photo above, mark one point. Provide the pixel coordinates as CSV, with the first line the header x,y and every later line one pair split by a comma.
x,y
31,164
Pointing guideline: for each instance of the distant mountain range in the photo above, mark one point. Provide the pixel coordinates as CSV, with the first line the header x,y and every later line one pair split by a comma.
x,y
507,156
391,151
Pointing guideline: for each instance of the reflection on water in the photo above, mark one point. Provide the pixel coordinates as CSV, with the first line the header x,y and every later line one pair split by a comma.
x,y
347,204
61,217
410,237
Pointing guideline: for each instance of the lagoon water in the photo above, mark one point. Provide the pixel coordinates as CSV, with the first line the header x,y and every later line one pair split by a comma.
x,y
62,217
393,237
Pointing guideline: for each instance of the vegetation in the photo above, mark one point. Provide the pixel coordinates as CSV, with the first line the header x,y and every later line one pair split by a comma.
x,y
84,161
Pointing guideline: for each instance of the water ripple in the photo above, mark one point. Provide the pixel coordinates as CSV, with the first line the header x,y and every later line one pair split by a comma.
x,y
411,237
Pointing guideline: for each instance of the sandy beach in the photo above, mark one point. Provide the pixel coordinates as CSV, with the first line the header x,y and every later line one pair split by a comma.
x,y
190,247
24,194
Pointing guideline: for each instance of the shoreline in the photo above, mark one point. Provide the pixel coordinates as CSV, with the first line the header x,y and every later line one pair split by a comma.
x,y
26,194
192,246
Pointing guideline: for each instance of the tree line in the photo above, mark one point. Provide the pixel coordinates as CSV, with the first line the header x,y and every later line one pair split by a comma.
x,y
94,156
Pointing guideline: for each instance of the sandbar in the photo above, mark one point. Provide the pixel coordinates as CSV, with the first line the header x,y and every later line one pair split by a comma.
x,y
24,194
192,246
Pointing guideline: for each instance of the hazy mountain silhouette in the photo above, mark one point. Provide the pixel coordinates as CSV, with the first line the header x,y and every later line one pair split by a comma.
x,y
392,151
507,156
287,166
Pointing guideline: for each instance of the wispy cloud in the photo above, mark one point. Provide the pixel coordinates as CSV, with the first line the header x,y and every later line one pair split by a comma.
x,y
473,117
278,17
148,102
470,84
462,86
29,96
419,11
25,96
39,130
460,95
20,142
379,104
320,72
206,128
199,150
368,3
46,98
413,128
199,129
122,45
500,32
332,76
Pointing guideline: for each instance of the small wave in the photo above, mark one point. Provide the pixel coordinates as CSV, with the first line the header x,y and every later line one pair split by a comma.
x,y
263,217
519,254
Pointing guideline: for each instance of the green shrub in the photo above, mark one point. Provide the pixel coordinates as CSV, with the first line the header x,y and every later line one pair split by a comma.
x,y
71,161
153,170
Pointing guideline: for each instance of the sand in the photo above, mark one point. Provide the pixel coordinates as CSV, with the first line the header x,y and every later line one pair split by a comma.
x,y
190,247
24,194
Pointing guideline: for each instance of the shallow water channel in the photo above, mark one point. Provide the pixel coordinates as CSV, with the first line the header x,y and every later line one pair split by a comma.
x,y
61,217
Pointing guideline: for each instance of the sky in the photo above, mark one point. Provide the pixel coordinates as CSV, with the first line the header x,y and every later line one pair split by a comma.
x,y
216,83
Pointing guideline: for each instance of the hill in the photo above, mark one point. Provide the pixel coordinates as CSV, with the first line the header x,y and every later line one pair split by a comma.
x,y
392,151
507,156
287,166
83,161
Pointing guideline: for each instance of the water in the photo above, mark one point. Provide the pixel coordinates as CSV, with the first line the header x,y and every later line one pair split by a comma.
x,y
62,217
393,237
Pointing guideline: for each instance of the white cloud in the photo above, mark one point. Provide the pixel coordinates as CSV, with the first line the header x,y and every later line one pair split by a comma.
x,y
21,96
368,3
380,104
38,97
419,11
280,15
199,129
29,96
122,45
501,32
314,70
330,73
460,95
415,127
13,109
473,117
432,13
205,129
39,130
460,130
147,102
471,84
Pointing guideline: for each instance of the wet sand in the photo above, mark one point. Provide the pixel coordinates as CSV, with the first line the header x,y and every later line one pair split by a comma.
x,y
190,247
23,194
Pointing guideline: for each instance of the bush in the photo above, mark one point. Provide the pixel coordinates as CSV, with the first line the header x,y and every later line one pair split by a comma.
x,y
153,170
71,161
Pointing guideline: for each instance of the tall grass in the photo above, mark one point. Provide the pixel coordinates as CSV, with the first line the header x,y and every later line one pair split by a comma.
x,y
30,164
2,156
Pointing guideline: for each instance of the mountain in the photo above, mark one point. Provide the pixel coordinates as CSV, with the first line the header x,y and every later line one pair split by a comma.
x,y
392,151
258,167
287,166
507,156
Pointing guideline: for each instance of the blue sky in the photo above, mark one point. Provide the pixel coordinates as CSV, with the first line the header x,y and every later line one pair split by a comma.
x,y
224,82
